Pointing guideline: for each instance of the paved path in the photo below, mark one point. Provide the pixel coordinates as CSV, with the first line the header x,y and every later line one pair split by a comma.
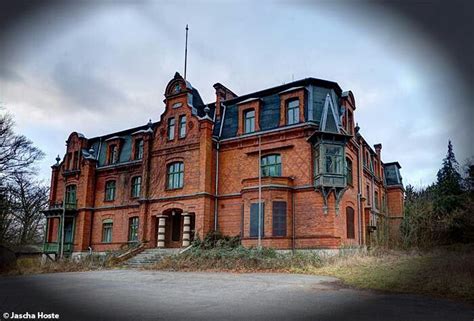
x,y
150,295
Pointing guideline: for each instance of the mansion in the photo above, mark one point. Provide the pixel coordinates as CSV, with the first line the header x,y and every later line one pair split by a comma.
x,y
285,167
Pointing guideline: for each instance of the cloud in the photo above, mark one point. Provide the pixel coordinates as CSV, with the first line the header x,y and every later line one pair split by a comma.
x,y
105,67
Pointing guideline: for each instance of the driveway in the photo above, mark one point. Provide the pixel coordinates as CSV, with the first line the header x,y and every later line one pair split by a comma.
x,y
150,295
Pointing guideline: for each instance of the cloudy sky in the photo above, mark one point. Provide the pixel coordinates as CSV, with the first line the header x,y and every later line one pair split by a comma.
x,y
97,68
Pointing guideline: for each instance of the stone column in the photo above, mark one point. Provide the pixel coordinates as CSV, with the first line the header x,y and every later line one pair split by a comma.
x,y
186,229
161,230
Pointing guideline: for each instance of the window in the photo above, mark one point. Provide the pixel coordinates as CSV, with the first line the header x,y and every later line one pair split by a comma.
x,y
350,222
279,218
182,126
349,171
175,175
71,195
171,124
107,231
113,154
75,164
329,165
376,199
249,125
69,161
254,221
384,205
110,190
133,229
333,159
138,149
271,165
136,186
292,112
368,195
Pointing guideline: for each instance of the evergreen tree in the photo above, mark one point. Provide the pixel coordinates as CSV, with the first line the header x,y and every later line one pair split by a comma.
x,y
449,180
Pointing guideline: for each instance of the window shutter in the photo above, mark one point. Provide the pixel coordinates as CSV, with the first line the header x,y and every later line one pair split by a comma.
x,y
279,218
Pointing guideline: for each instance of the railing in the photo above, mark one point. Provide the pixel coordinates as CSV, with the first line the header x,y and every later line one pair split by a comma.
x,y
54,247
59,205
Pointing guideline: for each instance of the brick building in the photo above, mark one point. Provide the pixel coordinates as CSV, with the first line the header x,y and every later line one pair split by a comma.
x,y
291,153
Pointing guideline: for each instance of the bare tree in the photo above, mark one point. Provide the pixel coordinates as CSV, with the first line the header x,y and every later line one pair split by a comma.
x,y
28,199
17,153
21,197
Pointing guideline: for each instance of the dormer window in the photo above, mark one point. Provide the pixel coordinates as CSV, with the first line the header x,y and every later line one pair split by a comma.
x,y
113,154
292,112
138,149
171,125
249,121
182,126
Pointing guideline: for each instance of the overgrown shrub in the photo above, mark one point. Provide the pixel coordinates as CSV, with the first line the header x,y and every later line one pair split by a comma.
x,y
218,252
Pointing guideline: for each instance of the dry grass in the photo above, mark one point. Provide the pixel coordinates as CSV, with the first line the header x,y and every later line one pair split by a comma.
x,y
34,266
444,272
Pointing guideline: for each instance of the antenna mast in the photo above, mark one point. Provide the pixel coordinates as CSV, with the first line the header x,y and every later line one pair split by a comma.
x,y
186,52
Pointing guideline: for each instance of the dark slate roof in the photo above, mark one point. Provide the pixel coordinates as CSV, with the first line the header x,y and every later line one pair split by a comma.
x,y
392,174
100,147
270,108
97,143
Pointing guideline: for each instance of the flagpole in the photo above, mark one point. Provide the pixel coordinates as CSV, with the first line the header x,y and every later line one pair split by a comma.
x,y
186,52
259,193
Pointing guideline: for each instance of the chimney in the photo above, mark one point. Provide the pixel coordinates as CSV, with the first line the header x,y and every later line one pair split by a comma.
x,y
378,151
222,93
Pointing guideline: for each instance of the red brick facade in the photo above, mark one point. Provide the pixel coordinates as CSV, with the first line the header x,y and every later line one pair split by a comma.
x,y
218,178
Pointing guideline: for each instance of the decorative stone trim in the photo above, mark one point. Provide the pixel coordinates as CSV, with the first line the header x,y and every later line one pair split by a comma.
x,y
161,231
186,229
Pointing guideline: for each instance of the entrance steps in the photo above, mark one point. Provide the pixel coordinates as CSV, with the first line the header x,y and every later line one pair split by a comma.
x,y
149,256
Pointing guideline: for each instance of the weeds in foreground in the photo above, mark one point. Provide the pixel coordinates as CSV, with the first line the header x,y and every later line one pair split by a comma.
x,y
36,265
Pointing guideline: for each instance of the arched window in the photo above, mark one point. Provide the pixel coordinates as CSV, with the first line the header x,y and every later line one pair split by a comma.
x,y
271,165
110,190
350,222
175,175
292,112
71,196
349,172
249,121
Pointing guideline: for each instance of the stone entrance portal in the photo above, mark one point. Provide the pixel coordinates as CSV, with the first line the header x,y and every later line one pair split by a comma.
x,y
175,229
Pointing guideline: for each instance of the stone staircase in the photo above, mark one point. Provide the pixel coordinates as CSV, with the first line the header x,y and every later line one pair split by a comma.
x,y
149,257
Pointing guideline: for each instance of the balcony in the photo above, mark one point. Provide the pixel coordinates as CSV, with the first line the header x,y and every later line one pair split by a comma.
x,y
330,180
56,208
53,248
